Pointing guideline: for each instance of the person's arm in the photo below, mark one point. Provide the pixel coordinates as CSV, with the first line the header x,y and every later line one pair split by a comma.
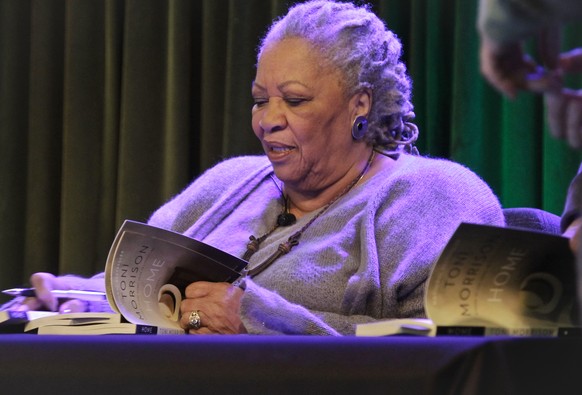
x,y
196,204
503,26
510,21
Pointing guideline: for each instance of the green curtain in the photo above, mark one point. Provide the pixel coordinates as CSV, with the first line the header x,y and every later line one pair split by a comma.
x,y
108,108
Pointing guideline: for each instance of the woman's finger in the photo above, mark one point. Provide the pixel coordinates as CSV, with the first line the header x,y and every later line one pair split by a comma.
x,y
193,320
73,306
201,331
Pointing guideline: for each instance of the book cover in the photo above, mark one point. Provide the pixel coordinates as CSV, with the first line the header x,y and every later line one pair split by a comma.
x,y
148,269
501,281
503,277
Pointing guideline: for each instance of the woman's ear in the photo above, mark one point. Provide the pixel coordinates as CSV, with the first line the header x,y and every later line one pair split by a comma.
x,y
362,103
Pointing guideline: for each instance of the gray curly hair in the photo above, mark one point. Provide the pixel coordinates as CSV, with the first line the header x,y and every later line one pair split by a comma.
x,y
357,42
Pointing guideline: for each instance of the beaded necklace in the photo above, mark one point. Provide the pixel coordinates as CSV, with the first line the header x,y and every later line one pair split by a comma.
x,y
286,219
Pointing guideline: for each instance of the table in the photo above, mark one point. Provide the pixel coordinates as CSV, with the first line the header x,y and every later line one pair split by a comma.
x,y
144,364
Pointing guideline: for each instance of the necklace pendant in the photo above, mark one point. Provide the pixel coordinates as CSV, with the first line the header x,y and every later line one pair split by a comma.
x,y
286,219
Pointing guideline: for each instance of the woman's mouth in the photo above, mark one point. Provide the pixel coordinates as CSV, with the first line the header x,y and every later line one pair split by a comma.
x,y
278,150
281,149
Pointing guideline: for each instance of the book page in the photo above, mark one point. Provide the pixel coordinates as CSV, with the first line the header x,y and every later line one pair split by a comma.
x,y
80,318
122,328
397,326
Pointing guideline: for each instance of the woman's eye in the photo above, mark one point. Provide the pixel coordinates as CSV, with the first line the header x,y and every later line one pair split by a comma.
x,y
259,101
294,101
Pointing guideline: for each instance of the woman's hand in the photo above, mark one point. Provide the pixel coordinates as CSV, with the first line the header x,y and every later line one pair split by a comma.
x,y
43,284
218,307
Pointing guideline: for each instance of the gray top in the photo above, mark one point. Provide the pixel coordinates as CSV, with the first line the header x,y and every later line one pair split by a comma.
x,y
366,258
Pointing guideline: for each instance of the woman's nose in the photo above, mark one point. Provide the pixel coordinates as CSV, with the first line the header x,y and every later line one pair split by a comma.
x,y
273,117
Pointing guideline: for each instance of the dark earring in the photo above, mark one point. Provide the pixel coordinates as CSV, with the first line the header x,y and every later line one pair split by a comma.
x,y
359,127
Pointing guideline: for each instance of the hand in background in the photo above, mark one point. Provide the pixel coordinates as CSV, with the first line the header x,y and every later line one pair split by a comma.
x,y
505,66
565,105
509,69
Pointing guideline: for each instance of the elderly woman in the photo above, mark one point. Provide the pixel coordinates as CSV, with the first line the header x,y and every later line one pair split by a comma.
x,y
340,221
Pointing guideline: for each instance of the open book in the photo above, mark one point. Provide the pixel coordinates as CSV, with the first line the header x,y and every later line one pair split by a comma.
x,y
496,281
146,273
148,270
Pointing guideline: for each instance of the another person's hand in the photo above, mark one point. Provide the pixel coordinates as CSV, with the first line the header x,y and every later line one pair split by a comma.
x,y
508,69
217,305
565,105
44,283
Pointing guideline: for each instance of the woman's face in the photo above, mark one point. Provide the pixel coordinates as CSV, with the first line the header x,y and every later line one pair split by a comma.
x,y
302,116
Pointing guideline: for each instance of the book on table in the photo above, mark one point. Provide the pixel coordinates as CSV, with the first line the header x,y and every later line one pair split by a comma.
x,y
12,321
146,273
496,281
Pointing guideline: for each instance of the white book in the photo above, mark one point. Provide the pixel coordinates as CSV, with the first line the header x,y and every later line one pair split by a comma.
x,y
400,326
112,328
72,319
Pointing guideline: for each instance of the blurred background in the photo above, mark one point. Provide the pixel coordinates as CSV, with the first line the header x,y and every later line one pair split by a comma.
x,y
110,107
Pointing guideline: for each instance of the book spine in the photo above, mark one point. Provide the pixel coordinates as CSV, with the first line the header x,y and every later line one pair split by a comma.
x,y
496,331
460,331
156,330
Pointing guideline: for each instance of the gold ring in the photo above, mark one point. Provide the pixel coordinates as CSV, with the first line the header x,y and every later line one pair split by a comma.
x,y
194,321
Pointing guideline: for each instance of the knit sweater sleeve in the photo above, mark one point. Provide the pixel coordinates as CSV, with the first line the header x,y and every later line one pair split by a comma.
x,y
195,205
209,198
408,222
